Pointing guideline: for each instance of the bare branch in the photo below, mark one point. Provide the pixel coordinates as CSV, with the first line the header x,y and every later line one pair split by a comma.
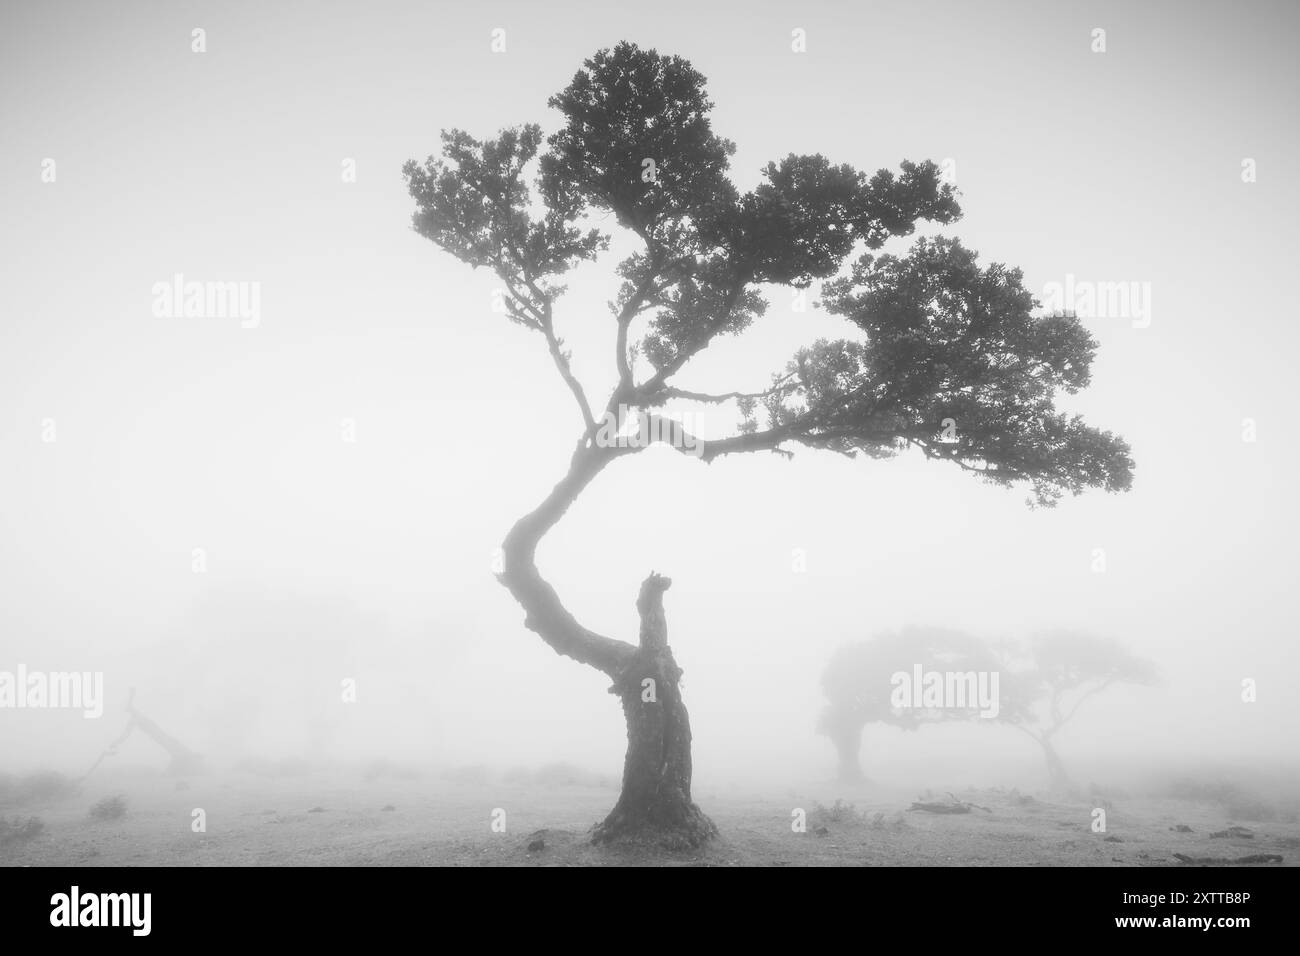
x,y
778,386
1097,689
566,372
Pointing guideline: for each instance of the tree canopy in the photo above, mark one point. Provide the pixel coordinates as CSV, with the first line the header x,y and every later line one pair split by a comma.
x,y
950,357
1050,676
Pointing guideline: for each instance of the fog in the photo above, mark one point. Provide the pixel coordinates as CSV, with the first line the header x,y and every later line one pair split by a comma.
x,y
282,538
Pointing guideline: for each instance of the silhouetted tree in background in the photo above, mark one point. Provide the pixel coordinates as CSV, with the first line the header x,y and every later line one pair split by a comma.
x,y
946,357
858,685
1045,683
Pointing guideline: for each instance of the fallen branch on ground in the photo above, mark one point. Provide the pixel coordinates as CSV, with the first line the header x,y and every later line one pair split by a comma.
x,y
952,805
1256,858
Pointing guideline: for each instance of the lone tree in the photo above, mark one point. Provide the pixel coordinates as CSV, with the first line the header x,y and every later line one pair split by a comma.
x,y
1046,683
858,684
946,356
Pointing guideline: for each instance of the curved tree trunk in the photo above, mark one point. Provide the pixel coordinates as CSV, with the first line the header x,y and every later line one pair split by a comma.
x,y
655,803
543,611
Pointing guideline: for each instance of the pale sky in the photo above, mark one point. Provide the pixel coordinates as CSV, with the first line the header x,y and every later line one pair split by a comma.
x,y
183,433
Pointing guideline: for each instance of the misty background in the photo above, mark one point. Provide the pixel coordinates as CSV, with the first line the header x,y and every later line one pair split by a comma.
x,y
372,560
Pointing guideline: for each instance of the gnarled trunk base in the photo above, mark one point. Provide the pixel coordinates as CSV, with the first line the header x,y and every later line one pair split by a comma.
x,y
655,805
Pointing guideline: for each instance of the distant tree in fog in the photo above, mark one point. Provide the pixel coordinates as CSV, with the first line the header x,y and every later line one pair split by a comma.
x,y
945,357
1045,683
858,685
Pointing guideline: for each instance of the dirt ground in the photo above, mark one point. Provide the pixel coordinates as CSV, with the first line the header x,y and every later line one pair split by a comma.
x,y
314,821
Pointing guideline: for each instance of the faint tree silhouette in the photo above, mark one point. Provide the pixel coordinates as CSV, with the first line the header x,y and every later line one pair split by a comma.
x,y
858,685
1046,682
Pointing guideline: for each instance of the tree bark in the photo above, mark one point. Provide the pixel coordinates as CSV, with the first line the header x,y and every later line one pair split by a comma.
x,y
655,803
543,610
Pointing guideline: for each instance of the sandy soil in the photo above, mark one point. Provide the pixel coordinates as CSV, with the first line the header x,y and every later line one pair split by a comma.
x,y
309,821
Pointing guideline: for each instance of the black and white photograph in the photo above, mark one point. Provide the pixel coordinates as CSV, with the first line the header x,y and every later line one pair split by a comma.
x,y
721,435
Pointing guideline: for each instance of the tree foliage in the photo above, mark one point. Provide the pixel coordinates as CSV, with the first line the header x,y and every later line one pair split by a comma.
x,y
949,357
1048,679
857,680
